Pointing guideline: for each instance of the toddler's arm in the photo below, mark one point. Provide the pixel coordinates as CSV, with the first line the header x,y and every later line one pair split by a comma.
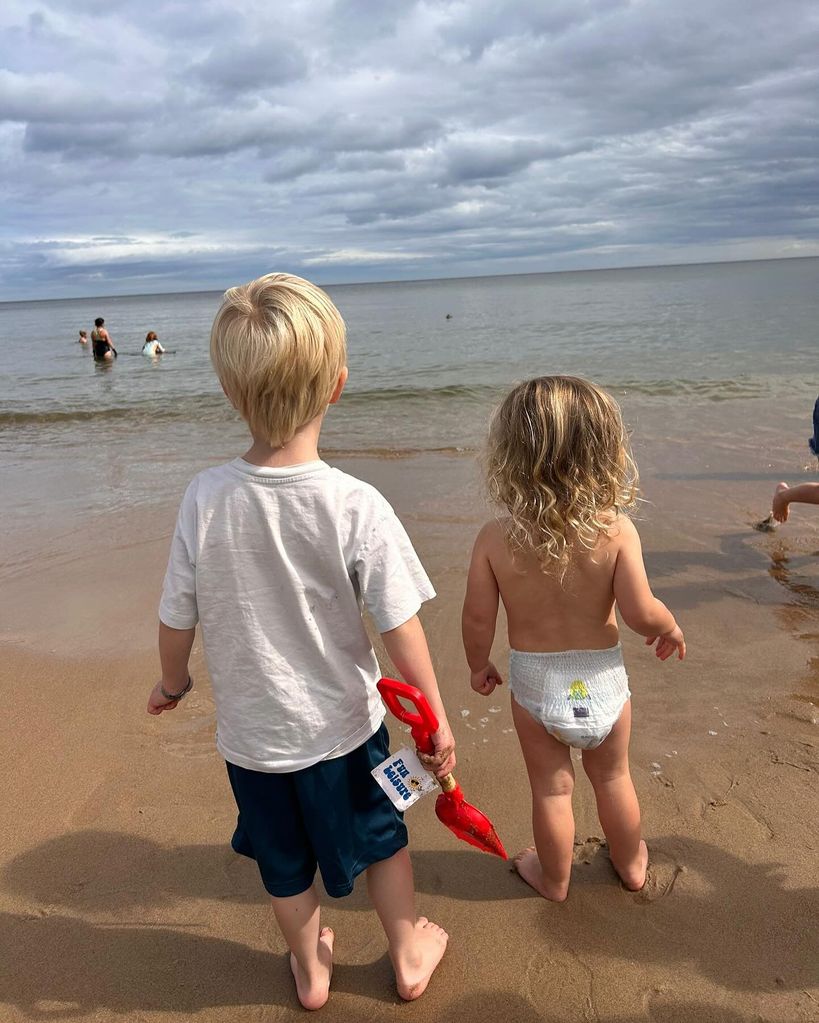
x,y
642,612
407,649
479,618
804,493
174,653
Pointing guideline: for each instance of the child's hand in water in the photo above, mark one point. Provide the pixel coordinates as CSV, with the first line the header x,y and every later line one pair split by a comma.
x,y
779,505
668,643
485,680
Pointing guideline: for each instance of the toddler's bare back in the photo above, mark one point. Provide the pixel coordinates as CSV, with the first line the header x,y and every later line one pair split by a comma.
x,y
547,614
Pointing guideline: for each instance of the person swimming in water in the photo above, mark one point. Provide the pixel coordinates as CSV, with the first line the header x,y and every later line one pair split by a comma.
x,y
83,338
152,345
104,350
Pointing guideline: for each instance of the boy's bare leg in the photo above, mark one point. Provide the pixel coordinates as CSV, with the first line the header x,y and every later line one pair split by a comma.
x,y
310,944
416,944
548,866
617,806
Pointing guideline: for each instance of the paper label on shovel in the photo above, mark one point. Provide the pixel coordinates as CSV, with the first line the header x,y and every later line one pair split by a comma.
x,y
403,777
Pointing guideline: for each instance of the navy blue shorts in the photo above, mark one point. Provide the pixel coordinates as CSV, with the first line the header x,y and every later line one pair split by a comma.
x,y
332,815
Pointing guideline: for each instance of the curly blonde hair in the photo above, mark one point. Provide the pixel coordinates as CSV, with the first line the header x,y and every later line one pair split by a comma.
x,y
558,459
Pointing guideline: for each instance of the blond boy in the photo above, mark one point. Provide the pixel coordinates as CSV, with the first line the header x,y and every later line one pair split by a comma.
x,y
273,555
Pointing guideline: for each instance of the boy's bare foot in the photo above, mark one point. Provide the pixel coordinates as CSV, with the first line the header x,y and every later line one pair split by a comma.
x,y
412,979
314,991
635,877
527,864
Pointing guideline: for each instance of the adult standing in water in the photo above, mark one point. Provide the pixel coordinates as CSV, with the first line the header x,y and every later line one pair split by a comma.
x,y
104,350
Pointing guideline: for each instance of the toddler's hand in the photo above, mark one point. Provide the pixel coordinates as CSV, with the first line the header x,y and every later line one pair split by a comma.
x,y
780,508
668,643
442,761
157,702
485,680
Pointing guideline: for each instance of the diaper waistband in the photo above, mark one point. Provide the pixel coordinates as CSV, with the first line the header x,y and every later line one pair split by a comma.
x,y
552,674
594,660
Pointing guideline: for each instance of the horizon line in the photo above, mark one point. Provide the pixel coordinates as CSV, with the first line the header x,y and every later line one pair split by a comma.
x,y
428,280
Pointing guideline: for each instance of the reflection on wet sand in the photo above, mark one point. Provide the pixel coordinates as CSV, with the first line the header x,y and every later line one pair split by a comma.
x,y
800,613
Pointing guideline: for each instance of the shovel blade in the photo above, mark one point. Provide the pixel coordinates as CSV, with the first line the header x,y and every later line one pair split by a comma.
x,y
468,823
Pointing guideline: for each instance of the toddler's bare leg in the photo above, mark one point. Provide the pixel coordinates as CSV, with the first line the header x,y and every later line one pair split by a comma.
x,y
548,866
617,806
310,944
416,944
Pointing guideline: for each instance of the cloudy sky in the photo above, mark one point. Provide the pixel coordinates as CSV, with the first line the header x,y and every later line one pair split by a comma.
x,y
159,146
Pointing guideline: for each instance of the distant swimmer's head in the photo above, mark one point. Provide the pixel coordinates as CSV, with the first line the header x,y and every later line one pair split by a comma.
x,y
150,336
559,460
278,345
99,321
83,333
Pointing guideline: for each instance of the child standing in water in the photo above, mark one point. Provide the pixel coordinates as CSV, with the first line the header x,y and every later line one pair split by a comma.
x,y
564,557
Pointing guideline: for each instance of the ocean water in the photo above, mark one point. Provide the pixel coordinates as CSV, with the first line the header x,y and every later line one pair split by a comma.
x,y
707,357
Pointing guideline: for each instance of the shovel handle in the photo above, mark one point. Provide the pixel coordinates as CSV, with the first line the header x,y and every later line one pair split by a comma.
x,y
447,783
422,721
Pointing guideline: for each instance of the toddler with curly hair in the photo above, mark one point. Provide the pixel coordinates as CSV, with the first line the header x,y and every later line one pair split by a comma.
x,y
563,556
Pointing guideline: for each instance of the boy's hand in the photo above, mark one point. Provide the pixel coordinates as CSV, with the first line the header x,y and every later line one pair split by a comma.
x,y
780,504
668,643
157,702
442,761
485,680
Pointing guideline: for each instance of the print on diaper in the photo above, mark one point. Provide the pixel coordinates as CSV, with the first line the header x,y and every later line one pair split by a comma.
x,y
578,692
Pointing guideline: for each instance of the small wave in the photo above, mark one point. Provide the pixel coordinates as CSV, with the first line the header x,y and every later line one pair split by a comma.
x,y
441,392
207,406
212,407
392,454
711,390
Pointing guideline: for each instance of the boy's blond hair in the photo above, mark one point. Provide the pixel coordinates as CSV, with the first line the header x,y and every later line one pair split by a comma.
x,y
558,459
278,345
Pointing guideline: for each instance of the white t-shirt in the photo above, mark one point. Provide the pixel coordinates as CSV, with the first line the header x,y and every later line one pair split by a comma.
x,y
276,564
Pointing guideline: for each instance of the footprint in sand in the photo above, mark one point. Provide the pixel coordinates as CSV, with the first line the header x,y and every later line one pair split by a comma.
x,y
591,858
660,879
591,862
586,852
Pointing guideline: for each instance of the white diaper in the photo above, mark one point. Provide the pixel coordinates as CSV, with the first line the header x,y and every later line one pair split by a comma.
x,y
577,695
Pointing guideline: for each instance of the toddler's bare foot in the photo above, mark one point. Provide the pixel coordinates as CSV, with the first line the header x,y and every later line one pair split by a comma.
x,y
634,877
313,991
413,974
527,864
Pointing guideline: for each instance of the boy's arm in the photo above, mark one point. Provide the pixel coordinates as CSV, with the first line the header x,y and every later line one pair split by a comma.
x,y
407,648
479,618
642,612
804,493
174,653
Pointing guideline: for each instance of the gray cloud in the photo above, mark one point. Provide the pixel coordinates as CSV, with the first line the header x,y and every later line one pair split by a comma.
x,y
166,144
250,66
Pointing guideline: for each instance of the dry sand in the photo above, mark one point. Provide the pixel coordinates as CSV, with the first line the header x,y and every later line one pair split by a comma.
x,y
121,899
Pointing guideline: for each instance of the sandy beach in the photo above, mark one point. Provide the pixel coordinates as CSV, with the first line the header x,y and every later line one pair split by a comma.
x,y
120,896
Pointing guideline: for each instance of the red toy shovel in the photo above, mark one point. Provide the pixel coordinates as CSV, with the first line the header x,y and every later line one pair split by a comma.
x,y
468,823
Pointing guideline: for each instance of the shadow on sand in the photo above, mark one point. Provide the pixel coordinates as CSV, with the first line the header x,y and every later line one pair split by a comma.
x,y
747,932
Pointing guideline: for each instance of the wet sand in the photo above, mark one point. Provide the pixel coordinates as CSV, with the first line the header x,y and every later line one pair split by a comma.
x,y
120,896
